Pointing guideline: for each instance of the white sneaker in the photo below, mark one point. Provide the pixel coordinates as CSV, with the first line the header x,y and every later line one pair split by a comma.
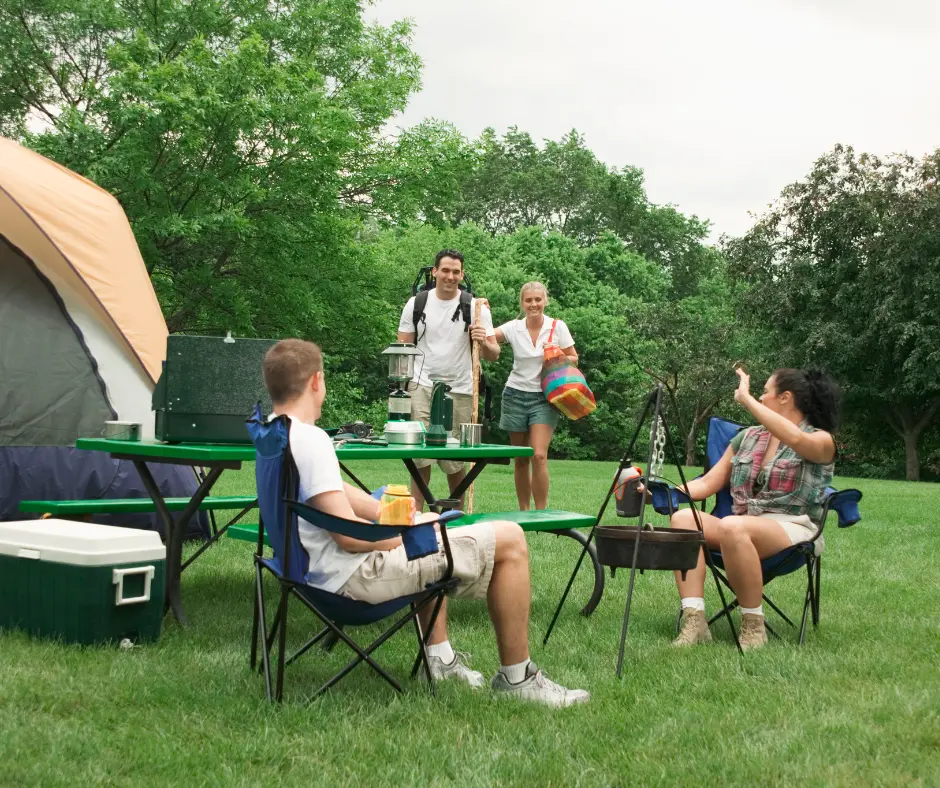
x,y
539,688
458,669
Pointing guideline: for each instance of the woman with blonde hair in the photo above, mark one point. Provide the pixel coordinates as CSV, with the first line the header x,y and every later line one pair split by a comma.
x,y
526,415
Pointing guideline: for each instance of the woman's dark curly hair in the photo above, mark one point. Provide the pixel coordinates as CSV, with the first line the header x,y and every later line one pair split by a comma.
x,y
816,395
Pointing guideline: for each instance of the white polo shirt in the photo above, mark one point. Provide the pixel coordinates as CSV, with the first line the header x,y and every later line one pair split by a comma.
x,y
527,358
444,342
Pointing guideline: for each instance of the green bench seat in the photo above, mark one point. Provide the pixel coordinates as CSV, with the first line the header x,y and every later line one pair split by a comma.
x,y
532,520
246,532
133,505
539,520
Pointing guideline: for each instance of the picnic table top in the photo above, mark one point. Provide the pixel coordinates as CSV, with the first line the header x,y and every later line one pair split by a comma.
x,y
246,452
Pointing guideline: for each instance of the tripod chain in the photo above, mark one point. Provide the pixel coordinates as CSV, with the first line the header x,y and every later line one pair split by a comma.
x,y
659,448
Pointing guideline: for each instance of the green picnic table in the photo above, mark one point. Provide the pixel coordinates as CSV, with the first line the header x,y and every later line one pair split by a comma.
x,y
220,457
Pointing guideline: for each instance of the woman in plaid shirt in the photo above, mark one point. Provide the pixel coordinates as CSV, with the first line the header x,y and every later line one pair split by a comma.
x,y
778,472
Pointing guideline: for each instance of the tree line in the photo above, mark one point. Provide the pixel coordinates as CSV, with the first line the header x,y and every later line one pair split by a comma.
x,y
248,144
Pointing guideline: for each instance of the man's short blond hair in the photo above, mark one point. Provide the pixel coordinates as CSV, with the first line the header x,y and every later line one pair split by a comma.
x,y
288,367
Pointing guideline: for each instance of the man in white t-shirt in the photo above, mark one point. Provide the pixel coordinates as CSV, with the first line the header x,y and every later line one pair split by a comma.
x,y
444,338
491,560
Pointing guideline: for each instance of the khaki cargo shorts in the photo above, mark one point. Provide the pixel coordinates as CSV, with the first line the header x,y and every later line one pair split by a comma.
x,y
389,574
421,411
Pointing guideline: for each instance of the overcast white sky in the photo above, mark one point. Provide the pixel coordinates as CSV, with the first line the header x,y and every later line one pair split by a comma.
x,y
721,102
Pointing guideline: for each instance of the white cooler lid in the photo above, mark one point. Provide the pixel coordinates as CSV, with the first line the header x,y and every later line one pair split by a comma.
x,y
82,544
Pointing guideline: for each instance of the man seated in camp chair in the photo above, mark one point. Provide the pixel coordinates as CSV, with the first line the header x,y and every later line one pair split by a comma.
x,y
778,473
490,559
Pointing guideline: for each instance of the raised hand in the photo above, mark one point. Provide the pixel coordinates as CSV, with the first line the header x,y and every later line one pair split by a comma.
x,y
743,391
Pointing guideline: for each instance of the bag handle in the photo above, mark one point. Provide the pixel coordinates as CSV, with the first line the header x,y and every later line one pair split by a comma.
x,y
552,332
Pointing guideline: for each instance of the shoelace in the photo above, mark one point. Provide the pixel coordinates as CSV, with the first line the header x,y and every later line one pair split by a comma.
x,y
689,630
544,681
749,626
463,658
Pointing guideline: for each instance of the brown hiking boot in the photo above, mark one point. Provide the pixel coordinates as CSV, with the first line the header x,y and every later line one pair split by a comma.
x,y
753,634
693,628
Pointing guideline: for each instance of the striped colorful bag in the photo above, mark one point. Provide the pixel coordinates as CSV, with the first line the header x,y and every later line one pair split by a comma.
x,y
563,384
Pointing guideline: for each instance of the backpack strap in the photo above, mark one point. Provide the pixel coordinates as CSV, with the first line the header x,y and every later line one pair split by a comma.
x,y
463,308
417,315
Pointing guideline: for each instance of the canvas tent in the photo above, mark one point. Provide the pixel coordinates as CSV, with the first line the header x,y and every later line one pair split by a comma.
x,y
82,336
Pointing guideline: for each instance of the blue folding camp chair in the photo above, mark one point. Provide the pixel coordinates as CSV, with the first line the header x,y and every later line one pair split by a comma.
x,y
277,480
666,500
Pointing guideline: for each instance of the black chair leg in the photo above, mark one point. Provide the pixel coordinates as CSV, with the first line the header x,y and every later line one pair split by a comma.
x,y
275,628
282,642
255,619
363,655
438,603
308,645
423,652
808,603
777,610
817,572
265,649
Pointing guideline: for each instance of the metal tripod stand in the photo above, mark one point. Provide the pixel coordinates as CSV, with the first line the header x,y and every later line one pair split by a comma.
x,y
658,428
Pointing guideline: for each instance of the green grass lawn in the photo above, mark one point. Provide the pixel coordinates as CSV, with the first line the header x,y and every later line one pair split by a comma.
x,y
858,704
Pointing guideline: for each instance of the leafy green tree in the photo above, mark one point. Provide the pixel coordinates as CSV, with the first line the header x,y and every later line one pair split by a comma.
x,y
243,138
563,187
846,268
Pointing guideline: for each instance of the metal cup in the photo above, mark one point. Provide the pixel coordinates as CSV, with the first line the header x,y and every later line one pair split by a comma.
x,y
471,434
122,430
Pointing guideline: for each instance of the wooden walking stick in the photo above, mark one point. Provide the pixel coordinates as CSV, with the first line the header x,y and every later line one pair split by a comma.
x,y
475,354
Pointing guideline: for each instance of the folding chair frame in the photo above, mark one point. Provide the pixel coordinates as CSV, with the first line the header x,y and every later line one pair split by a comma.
x,y
265,637
261,633
806,551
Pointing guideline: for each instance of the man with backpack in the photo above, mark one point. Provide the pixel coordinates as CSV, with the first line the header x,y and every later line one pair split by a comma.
x,y
439,320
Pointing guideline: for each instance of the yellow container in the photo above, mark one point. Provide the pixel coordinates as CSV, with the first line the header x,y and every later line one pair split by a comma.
x,y
396,506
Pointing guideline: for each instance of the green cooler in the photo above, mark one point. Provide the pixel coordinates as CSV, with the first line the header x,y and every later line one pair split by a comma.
x,y
81,582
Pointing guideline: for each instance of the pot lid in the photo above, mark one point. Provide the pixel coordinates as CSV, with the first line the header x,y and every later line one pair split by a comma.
x,y
398,427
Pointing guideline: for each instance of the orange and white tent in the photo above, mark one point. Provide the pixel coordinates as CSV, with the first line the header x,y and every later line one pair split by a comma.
x,y
82,336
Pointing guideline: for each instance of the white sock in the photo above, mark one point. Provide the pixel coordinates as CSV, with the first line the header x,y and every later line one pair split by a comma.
x,y
693,602
443,650
515,673
756,611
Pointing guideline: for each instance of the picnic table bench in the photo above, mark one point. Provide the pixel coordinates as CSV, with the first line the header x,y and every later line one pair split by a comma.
x,y
133,505
85,507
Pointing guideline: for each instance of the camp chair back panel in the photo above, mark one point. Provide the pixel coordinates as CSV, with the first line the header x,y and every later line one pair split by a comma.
x,y
844,503
277,481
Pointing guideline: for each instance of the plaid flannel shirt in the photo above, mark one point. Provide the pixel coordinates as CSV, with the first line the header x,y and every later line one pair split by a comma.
x,y
787,485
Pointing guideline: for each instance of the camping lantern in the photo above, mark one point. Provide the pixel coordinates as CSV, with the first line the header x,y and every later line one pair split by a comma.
x,y
401,369
401,361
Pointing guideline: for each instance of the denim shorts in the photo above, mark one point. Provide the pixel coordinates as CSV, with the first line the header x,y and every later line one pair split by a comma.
x,y
522,409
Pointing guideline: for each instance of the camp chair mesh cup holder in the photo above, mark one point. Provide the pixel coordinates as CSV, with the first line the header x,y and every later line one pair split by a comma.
x,y
666,500
277,480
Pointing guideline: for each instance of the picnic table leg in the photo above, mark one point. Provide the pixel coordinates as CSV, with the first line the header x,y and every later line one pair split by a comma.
x,y
173,528
429,498
475,470
598,590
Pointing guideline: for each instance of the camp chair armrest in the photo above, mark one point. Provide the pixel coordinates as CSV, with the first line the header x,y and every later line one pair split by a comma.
x,y
666,497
